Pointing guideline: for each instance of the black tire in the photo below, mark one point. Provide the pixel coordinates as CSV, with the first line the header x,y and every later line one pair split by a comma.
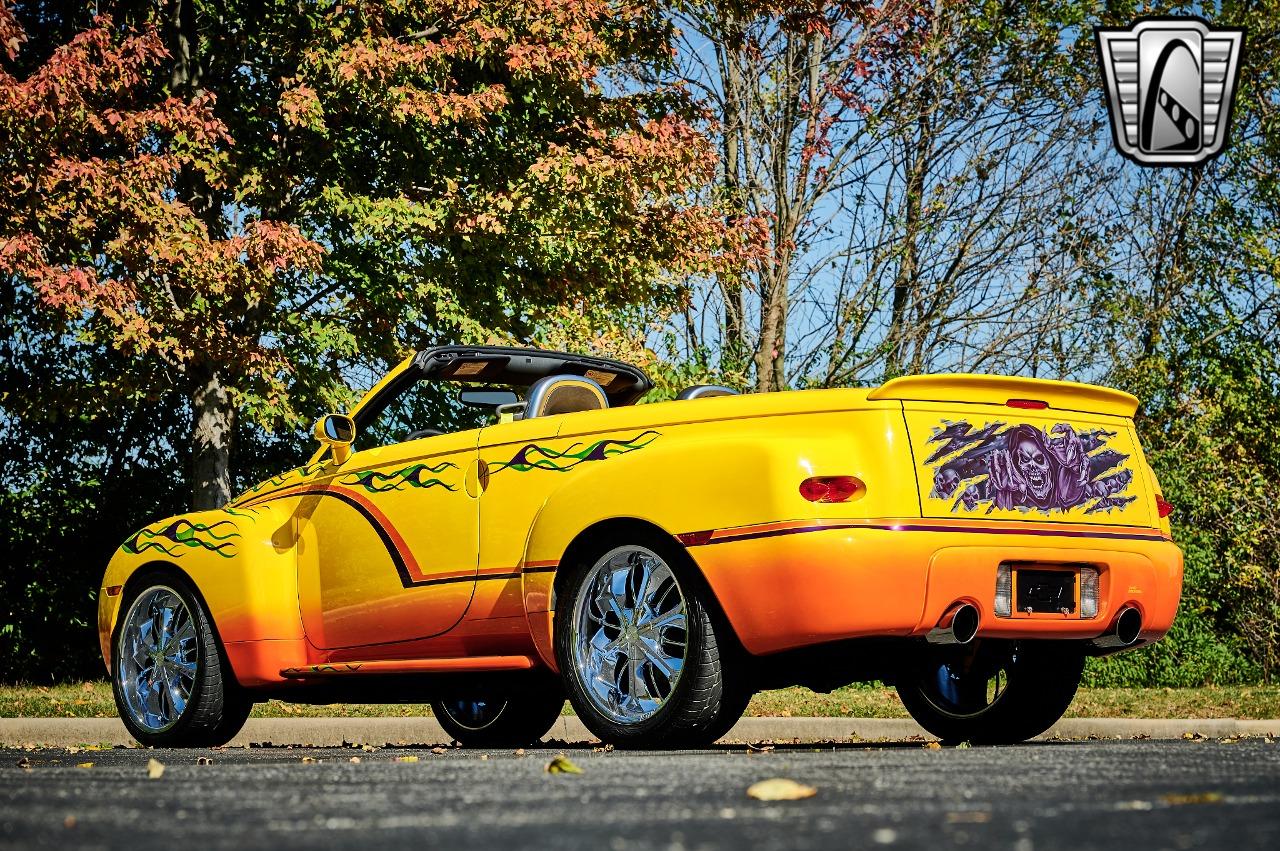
x,y
217,706
500,718
702,704
949,690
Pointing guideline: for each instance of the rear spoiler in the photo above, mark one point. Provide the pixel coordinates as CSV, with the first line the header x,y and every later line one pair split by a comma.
x,y
1006,390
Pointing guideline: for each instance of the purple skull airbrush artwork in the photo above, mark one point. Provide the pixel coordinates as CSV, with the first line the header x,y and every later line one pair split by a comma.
x,y
1026,467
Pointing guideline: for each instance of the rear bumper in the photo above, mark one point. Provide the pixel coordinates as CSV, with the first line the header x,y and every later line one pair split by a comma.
x,y
794,584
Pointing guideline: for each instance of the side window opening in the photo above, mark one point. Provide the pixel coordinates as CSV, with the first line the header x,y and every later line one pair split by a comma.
x,y
424,407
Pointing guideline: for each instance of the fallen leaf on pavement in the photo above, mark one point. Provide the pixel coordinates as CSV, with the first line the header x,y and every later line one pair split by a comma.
x,y
84,765
406,759
933,746
1192,798
309,759
355,759
155,768
203,760
24,764
780,789
561,764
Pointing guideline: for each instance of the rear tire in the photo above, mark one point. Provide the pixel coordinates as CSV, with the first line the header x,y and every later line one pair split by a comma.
x,y
991,692
500,718
643,659
172,685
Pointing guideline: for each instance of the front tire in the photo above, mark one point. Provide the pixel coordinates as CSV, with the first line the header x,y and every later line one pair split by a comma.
x,y
171,683
500,718
991,692
643,660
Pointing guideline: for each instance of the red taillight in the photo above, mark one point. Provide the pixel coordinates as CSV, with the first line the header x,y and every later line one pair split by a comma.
x,y
1163,507
831,488
1031,404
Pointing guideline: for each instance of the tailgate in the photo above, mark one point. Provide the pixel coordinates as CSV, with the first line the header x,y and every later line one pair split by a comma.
x,y
1025,449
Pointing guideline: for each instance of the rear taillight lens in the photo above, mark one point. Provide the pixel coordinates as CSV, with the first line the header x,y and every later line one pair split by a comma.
x,y
1163,507
1004,591
1088,592
831,488
1030,404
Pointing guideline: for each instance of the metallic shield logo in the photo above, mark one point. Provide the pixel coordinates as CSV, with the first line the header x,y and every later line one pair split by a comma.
x,y
1170,83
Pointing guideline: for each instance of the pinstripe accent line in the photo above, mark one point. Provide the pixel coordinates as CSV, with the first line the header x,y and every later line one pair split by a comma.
x,y
407,568
796,527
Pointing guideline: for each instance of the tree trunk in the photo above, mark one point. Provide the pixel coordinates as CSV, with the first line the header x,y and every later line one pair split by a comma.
x,y
213,420
733,346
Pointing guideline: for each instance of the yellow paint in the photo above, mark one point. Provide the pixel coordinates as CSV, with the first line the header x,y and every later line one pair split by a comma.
x,y
314,582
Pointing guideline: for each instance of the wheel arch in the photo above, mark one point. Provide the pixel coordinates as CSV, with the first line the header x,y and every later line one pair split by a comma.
x,y
144,572
593,540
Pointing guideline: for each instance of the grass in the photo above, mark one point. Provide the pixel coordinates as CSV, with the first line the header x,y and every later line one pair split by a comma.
x,y
93,700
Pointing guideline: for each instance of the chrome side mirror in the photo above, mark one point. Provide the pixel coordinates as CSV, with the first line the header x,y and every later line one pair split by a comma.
x,y
338,432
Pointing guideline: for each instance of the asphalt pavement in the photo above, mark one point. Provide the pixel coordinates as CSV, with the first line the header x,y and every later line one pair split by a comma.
x,y
1210,793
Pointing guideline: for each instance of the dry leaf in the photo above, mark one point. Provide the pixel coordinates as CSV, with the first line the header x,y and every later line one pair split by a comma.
x,y
483,757
73,749
155,768
309,759
1193,798
368,748
933,746
203,760
780,789
562,765
355,759
69,822
437,750
84,765
519,751
24,764
406,759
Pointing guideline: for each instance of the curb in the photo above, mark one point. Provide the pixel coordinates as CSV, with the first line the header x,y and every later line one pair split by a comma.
x,y
332,732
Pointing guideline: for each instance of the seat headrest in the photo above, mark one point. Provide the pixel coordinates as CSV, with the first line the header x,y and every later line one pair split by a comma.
x,y
563,394
705,391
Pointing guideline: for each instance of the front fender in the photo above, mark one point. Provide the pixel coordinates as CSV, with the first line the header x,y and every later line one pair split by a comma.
x,y
242,561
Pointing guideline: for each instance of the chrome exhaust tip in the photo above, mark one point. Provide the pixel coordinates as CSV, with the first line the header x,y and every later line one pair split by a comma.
x,y
1124,631
958,626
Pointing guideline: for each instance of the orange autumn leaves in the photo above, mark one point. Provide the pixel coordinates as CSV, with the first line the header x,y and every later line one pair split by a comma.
x,y
371,186
90,217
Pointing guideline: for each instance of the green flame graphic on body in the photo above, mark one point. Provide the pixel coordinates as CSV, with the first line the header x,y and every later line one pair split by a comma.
x,y
534,457
182,535
415,476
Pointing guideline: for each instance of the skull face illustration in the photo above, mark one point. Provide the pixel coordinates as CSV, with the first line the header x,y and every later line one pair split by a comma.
x,y
1031,462
945,481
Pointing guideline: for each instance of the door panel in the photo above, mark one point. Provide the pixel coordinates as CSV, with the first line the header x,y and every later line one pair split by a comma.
x,y
387,548
522,470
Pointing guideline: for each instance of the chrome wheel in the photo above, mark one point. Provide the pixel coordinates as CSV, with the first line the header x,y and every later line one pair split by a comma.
x,y
156,658
630,634
474,714
966,685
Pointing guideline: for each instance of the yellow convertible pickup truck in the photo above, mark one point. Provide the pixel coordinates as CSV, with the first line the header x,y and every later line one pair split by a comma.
x,y
967,538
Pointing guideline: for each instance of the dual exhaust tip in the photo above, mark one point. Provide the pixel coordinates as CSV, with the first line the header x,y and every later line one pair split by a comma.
x,y
1124,631
959,625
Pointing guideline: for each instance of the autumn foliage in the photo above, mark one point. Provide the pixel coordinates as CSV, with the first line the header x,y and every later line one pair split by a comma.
x,y
379,176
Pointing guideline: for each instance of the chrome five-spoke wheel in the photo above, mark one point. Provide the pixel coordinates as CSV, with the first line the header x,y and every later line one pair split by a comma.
x,y
157,658
630,634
